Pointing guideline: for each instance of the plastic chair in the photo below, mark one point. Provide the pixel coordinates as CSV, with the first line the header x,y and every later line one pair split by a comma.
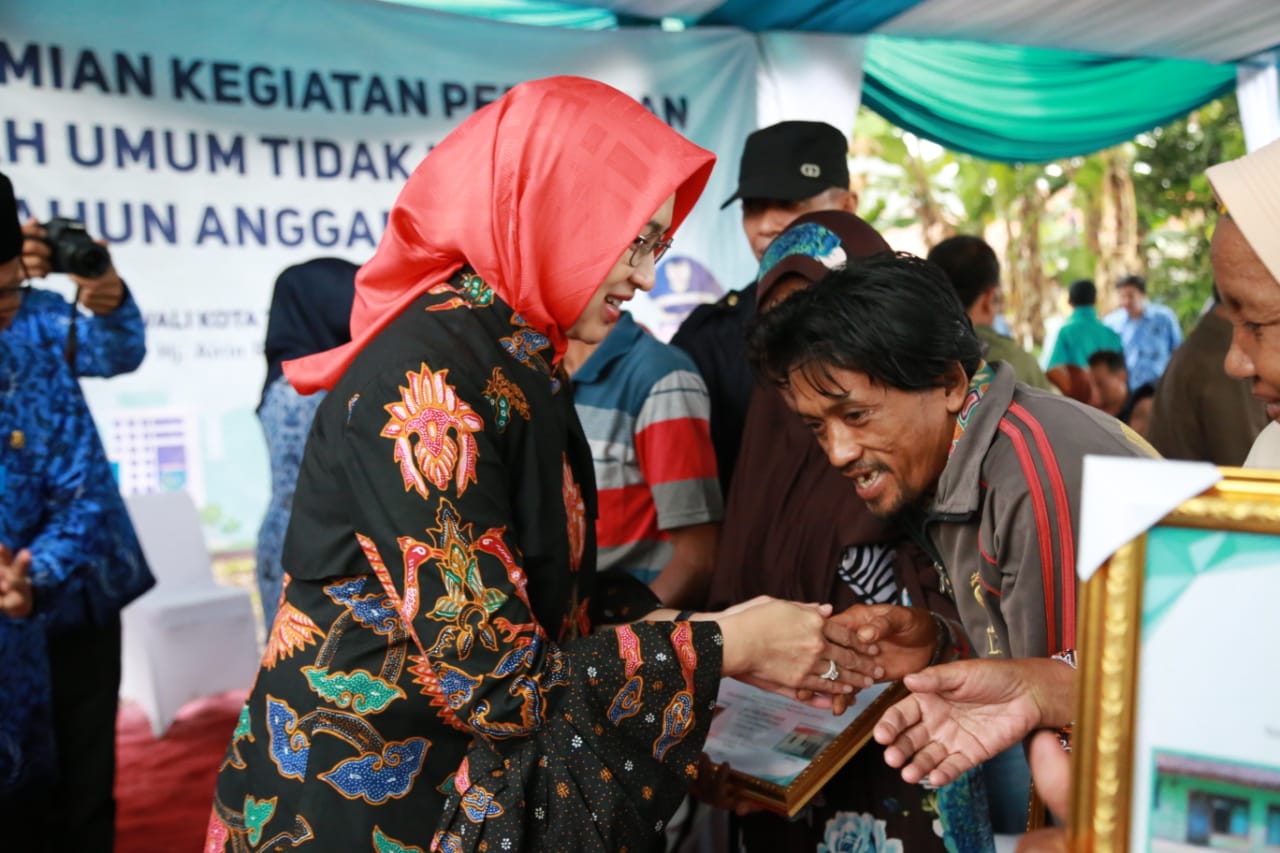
x,y
189,636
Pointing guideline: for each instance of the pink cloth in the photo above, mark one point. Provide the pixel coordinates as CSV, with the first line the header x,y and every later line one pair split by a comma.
x,y
540,192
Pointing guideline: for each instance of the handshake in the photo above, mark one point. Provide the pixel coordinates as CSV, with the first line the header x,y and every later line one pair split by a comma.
x,y
958,714
807,652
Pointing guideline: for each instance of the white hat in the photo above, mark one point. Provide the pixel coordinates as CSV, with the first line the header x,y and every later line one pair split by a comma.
x,y
1249,189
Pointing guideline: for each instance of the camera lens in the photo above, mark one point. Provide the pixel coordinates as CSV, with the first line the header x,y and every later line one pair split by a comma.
x,y
88,261
73,250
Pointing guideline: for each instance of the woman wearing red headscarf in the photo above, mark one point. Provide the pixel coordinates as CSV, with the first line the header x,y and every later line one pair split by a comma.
x,y
430,679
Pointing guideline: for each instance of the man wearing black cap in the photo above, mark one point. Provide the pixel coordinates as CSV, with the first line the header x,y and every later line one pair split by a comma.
x,y
107,340
1083,333
787,169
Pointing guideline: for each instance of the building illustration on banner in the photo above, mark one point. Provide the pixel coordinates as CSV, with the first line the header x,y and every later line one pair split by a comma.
x,y
155,450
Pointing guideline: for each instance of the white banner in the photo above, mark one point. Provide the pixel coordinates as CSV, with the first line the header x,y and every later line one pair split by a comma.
x,y
1258,93
810,77
215,143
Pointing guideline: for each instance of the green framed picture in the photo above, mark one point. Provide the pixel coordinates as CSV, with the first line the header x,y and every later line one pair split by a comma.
x,y
1178,726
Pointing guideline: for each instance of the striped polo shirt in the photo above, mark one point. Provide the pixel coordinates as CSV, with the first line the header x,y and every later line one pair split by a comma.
x,y
646,413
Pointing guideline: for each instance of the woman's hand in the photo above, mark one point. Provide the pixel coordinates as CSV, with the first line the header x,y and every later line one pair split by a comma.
x,y
780,646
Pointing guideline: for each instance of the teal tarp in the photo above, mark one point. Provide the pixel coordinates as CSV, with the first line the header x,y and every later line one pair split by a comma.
x,y
1015,103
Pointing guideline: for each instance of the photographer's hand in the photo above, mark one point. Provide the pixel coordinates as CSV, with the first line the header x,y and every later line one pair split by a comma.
x,y
101,295
37,256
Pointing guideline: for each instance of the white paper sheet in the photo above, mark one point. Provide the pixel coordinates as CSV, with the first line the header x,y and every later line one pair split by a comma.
x,y
1123,496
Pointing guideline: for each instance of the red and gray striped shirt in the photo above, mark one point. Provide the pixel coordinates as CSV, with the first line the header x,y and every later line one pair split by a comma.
x,y
646,413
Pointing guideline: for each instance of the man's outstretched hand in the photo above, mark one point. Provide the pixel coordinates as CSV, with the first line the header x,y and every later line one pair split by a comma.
x,y
961,714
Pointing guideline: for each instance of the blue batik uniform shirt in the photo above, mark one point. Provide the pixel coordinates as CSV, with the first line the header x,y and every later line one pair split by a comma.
x,y
1149,341
106,344
61,502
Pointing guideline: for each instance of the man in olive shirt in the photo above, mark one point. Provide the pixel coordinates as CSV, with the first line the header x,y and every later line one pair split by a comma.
x,y
974,271
1201,413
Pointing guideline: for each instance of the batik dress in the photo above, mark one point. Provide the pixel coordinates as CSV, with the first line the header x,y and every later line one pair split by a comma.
x,y
429,681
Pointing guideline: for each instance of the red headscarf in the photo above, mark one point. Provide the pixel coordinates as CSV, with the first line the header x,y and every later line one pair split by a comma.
x,y
540,192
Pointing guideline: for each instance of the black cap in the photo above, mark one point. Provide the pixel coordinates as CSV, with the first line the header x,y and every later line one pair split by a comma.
x,y
10,227
792,160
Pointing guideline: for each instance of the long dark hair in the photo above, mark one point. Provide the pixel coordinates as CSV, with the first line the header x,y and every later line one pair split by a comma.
x,y
894,317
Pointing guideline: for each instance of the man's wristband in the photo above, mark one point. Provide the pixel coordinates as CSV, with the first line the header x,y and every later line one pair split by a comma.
x,y
943,641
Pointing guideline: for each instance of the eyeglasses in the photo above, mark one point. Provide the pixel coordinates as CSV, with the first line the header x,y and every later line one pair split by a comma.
x,y
642,246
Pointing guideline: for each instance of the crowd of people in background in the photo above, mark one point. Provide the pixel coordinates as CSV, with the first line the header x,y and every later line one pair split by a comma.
x,y
531,538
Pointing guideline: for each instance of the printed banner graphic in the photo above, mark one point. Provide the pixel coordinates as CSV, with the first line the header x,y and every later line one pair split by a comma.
x,y
215,144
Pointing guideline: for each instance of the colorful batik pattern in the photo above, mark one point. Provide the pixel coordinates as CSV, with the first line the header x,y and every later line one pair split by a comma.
x,y
58,499
430,680
506,398
978,385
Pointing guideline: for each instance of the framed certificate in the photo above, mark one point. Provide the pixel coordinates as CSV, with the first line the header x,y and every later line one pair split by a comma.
x,y
780,751
1177,743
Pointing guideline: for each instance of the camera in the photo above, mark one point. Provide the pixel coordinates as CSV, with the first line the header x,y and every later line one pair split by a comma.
x,y
74,250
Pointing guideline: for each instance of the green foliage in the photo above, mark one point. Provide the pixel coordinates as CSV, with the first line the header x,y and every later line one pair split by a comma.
x,y
1174,202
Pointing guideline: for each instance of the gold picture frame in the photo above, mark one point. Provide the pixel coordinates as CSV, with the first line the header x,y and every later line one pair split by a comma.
x,y
1120,621
790,798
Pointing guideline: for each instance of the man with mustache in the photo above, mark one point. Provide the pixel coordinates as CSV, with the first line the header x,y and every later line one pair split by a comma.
x,y
922,729
883,365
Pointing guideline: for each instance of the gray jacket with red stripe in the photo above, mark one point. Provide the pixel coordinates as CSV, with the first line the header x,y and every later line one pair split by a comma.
x,y
1003,521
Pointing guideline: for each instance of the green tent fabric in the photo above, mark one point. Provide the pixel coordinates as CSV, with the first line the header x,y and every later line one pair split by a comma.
x,y
1020,104
998,102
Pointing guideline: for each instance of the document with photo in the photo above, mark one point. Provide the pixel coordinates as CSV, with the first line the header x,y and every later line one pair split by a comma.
x,y
771,737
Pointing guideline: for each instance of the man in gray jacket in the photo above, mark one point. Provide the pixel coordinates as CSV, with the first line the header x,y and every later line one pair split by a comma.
x,y
883,364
